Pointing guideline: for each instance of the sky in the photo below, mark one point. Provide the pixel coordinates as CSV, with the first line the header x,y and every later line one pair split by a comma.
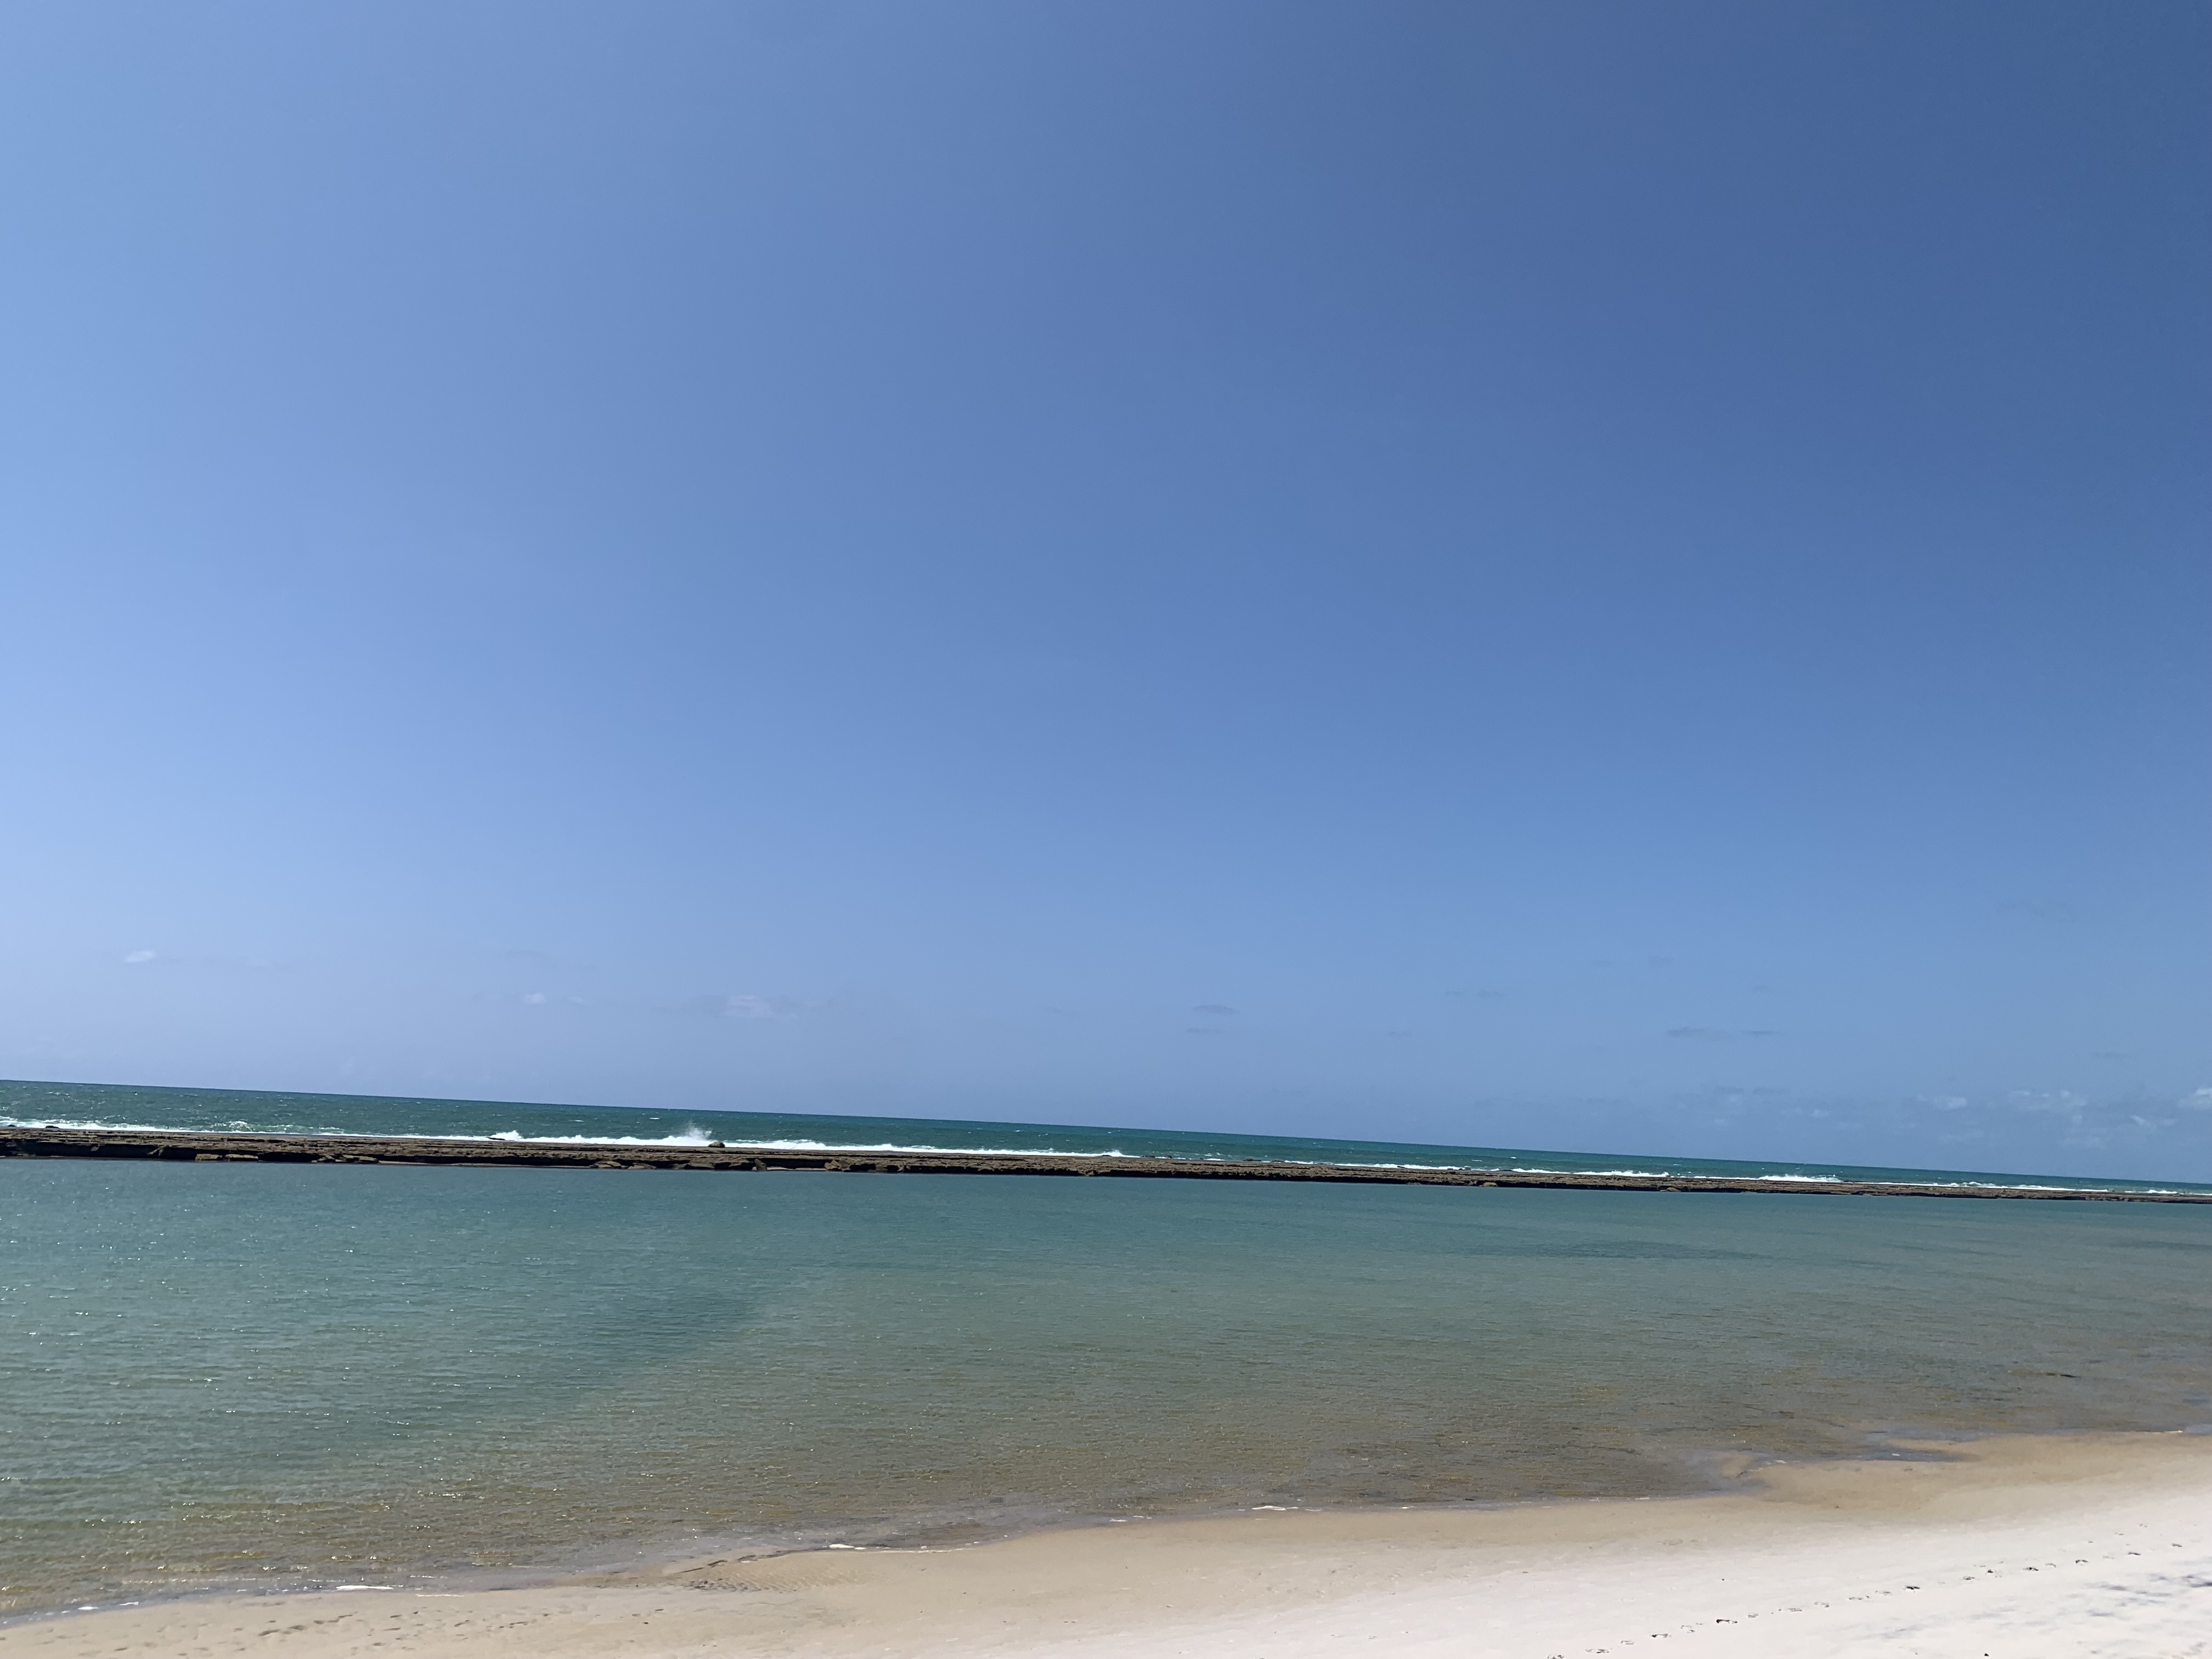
x,y
1566,573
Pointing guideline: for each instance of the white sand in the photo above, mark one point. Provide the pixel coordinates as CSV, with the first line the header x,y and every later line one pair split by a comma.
x,y
2024,1548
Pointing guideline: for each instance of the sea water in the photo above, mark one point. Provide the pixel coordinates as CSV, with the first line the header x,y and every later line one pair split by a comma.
x,y
286,1375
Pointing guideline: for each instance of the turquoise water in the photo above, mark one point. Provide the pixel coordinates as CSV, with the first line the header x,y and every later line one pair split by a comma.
x,y
112,1106
297,1375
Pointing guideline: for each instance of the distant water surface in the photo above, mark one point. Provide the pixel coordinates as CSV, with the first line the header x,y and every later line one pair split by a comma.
x,y
296,1374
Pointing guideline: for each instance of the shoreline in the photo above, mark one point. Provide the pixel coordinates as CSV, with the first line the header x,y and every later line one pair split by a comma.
x,y
181,1146
2058,1545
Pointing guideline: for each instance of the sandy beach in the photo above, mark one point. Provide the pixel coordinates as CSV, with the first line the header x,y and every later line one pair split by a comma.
x,y
2009,1548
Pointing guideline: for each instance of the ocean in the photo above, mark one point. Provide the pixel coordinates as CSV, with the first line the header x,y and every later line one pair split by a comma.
x,y
288,1375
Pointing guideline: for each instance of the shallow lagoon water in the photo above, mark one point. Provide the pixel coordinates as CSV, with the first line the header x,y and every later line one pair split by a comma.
x,y
308,1374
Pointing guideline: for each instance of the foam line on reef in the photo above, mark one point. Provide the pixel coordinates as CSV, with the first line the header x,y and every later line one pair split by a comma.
x,y
231,1146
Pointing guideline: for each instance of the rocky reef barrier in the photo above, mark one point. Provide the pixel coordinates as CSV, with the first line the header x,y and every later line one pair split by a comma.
x,y
190,1146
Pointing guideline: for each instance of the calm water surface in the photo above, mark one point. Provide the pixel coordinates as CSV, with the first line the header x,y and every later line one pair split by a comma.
x,y
294,1375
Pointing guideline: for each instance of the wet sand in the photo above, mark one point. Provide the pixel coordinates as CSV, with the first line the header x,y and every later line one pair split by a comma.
x,y
209,1146
2024,1548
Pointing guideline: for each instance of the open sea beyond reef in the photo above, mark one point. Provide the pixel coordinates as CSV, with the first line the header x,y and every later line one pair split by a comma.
x,y
296,1374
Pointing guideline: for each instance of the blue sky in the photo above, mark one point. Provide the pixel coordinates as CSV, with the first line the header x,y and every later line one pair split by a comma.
x,y
1595,575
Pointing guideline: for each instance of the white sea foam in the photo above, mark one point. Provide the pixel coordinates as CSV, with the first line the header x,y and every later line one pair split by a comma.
x,y
1856,1180
701,1138
131,1128
693,1136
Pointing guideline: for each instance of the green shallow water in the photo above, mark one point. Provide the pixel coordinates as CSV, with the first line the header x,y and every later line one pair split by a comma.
x,y
297,1375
